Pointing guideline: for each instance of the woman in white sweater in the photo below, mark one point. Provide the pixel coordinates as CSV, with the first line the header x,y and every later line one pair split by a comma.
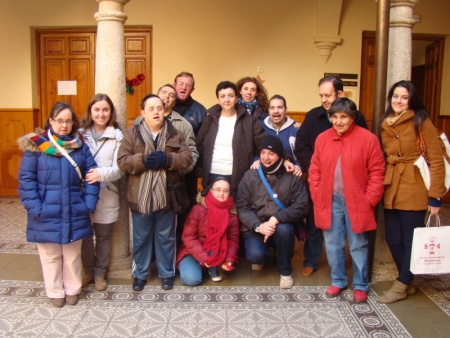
x,y
102,135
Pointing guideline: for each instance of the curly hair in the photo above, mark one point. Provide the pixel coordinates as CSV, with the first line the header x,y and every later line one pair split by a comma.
x,y
261,92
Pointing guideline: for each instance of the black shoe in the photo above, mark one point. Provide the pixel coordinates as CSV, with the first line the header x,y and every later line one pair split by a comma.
x,y
138,284
167,283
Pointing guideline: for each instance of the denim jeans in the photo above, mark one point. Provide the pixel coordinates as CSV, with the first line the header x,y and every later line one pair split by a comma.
x,y
158,228
190,271
335,246
257,252
399,229
312,250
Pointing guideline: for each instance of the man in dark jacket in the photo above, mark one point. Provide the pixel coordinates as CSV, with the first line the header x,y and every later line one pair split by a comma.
x,y
186,106
317,121
268,218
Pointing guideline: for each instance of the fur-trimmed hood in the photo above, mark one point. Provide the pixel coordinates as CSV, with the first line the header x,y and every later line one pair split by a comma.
x,y
201,200
25,144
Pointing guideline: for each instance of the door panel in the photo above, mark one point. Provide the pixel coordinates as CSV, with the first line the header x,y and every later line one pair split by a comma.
x,y
432,88
66,57
367,91
137,61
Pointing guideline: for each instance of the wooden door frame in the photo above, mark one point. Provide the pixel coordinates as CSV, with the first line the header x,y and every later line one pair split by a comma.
x,y
38,31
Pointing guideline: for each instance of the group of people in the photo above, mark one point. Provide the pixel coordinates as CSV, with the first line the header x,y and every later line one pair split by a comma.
x,y
262,174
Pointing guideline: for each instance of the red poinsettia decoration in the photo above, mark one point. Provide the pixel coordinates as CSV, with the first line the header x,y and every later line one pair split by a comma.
x,y
134,82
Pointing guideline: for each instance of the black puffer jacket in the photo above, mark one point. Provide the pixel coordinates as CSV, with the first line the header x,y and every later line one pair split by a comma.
x,y
247,137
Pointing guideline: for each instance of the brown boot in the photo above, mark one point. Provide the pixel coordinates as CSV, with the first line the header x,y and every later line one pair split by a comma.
x,y
411,289
395,293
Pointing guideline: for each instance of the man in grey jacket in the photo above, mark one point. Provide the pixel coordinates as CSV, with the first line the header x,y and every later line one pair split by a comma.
x,y
269,214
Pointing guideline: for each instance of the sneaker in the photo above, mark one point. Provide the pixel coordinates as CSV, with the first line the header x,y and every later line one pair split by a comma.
x,y
71,300
57,302
359,296
257,267
100,284
215,274
334,291
286,282
86,280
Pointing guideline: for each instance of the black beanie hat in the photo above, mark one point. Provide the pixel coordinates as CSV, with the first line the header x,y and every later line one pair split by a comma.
x,y
274,144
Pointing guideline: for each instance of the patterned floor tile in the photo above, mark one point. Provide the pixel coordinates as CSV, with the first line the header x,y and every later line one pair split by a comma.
x,y
195,312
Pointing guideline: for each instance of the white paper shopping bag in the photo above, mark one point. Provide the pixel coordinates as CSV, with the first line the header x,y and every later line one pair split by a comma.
x,y
431,249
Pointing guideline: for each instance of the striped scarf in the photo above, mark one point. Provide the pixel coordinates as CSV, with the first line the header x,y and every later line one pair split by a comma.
x,y
217,219
152,187
43,142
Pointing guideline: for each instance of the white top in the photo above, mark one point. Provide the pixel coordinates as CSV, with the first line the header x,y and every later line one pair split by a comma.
x,y
222,159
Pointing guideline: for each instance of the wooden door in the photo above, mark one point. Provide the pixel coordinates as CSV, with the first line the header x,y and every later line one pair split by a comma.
x,y
367,89
138,61
432,80
65,56
433,73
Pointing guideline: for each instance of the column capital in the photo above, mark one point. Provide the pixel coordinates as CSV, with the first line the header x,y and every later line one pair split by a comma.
x,y
402,13
110,16
407,3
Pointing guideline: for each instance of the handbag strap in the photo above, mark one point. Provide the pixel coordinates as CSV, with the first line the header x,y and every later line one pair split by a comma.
x,y
98,149
269,189
66,155
438,221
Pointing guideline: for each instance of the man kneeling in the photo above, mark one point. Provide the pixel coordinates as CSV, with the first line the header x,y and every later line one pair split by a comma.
x,y
270,202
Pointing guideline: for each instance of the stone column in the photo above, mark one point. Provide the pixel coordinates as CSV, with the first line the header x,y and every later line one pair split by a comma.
x,y
400,41
110,79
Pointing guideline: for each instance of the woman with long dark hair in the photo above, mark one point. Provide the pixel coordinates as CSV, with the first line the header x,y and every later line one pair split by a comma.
x,y
406,199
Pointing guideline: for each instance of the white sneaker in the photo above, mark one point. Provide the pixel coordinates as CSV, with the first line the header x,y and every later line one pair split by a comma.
x,y
257,267
286,282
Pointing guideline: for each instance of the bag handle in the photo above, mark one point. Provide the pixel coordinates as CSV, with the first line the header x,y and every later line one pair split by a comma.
x,y
438,221
66,155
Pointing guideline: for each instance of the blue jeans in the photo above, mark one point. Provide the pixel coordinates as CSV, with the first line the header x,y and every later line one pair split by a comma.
x,y
335,246
190,271
312,250
257,252
158,228
399,229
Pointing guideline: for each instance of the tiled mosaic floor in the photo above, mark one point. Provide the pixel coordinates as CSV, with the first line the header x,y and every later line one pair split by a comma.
x,y
231,311
193,312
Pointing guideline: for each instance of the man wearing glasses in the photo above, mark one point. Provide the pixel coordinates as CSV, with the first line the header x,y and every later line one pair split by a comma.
x,y
186,106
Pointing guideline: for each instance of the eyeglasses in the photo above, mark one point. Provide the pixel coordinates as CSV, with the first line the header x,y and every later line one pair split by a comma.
x,y
219,190
61,122
185,85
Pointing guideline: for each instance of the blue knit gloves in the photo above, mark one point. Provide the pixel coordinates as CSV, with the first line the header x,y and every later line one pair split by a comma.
x,y
156,160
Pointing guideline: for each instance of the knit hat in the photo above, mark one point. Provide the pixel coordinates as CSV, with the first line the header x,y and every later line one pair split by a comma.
x,y
274,144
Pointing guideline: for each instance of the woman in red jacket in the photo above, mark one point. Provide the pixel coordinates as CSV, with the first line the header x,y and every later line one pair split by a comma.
x,y
346,183
210,236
